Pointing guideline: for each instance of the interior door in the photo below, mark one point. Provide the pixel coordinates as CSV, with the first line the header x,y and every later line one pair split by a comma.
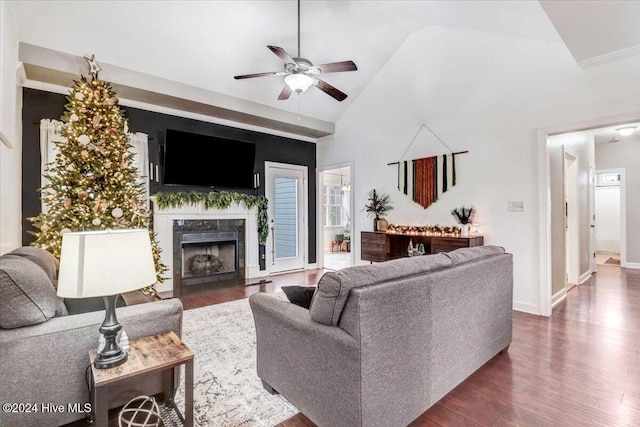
x,y
592,219
287,194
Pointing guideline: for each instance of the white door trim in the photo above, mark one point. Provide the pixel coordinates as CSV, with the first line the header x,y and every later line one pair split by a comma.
x,y
544,196
305,209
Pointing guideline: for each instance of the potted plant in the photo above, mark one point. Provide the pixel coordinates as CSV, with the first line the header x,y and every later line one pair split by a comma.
x,y
464,216
378,205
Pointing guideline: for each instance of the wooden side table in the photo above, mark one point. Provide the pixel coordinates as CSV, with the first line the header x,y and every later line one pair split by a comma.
x,y
162,352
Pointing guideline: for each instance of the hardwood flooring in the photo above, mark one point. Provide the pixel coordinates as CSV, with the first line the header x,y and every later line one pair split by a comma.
x,y
580,367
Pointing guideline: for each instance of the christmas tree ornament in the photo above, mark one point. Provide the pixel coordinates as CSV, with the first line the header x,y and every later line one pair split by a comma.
x,y
74,117
44,228
83,194
94,68
84,139
79,96
96,121
84,153
117,212
107,164
96,221
67,202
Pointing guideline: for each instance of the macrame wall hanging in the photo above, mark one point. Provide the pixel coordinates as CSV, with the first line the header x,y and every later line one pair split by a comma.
x,y
427,178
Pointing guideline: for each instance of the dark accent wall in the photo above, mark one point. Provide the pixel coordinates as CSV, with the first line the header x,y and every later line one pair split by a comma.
x,y
39,105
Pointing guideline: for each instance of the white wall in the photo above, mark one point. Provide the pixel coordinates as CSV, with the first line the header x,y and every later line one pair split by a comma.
x,y
626,154
10,125
487,93
608,219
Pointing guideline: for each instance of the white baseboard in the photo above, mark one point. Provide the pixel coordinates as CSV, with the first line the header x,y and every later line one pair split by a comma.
x,y
526,307
312,266
584,277
558,297
634,265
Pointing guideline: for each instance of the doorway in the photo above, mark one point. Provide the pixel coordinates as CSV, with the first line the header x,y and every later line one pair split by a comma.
x,y
336,207
287,194
609,213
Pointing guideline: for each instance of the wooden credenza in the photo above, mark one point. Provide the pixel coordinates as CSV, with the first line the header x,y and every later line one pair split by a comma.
x,y
379,246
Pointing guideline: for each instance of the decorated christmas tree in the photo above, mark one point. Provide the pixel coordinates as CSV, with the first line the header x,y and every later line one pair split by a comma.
x,y
93,182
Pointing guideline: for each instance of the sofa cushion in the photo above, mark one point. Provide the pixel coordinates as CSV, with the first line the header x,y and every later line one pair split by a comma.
x,y
463,255
44,259
300,295
334,287
27,296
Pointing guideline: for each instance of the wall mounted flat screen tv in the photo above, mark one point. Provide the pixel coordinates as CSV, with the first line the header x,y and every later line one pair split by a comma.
x,y
208,161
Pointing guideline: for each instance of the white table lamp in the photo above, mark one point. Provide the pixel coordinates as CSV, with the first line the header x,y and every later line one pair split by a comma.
x,y
105,264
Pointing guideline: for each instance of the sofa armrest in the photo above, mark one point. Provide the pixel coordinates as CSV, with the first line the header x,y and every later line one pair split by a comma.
x,y
47,362
315,366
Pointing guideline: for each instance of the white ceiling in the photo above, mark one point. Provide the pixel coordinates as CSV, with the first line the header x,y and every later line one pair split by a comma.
x,y
596,29
606,134
205,43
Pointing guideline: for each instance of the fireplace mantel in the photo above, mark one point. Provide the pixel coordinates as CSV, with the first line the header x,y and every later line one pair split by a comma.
x,y
163,225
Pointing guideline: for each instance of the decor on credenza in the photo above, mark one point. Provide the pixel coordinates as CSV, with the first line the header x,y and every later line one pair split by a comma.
x,y
378,205
429,177
464,216
436,230
220,200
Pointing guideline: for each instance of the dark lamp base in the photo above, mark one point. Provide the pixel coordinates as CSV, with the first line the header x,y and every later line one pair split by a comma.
x,y
110,361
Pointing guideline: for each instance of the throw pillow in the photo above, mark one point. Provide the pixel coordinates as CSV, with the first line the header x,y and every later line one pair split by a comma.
x,y
300,295
44,259
27,296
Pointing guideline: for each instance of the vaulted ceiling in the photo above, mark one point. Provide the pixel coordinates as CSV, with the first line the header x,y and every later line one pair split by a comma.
x,y
203,44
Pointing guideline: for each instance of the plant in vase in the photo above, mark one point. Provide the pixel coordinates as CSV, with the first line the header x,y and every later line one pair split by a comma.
x,y
464,217
378,205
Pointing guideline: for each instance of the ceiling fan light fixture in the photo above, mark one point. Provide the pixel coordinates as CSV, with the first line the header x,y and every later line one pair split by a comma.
x,y
626,130
298,82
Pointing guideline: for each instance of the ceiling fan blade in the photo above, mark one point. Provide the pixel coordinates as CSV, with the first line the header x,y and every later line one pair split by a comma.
x,y
330,90
282,54
286,93
249,76
336,67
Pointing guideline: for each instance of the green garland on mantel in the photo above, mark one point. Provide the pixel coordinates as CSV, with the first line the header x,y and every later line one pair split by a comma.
x,y
219,200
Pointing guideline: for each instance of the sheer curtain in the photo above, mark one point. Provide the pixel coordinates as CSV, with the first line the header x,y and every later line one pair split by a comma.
x,y
50,132
140,148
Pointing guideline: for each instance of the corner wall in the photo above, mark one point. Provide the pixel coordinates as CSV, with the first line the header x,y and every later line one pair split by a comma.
x,y
10,126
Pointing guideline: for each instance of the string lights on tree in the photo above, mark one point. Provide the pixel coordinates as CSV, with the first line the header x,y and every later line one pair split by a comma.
x,y
93,182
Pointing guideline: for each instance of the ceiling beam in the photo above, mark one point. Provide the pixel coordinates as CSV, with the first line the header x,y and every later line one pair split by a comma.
x,y
61,69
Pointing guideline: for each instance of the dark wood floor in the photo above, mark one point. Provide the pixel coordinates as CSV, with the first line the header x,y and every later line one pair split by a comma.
x,y
581,367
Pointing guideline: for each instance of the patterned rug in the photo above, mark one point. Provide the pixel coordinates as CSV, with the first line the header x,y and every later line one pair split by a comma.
x,y
227,390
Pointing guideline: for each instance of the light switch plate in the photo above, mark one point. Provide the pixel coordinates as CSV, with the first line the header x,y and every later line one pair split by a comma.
x,y
515,206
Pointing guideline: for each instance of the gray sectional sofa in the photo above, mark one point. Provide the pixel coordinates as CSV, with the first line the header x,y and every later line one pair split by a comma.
x,y
44,345
382,343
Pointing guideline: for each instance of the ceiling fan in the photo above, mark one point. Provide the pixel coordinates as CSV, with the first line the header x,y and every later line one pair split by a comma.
x,y
301,73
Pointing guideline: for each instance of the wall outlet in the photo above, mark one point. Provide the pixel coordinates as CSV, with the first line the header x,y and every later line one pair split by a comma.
x,y
516,206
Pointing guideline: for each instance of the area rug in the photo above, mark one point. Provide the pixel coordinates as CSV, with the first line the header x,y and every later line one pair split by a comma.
x,y
227,390
612,261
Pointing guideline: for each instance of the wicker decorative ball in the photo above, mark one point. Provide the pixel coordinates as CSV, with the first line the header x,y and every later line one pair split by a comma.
x,y
141,411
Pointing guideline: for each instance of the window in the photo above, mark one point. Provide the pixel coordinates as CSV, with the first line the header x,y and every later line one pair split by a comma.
x,y
333,211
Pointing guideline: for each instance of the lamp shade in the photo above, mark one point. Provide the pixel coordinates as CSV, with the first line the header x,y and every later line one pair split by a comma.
x,y
106,262
298,82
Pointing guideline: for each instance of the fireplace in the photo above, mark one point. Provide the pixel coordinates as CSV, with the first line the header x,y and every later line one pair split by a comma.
x,y
208,254
209,257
